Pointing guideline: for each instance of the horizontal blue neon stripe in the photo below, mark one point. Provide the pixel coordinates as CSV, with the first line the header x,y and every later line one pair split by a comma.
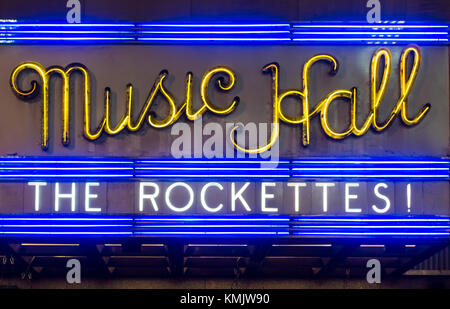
x,y
206,233
215,218
372,230
367,234
372,220
366,27
224,226
66,225
223,33
428,168
214,25
79,168
223,169
371,227
29,168
379,33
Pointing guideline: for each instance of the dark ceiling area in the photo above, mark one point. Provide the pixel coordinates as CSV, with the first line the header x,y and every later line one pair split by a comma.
x,y
231,10
229,258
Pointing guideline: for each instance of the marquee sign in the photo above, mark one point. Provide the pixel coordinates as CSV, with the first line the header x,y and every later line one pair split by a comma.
x,y
354,132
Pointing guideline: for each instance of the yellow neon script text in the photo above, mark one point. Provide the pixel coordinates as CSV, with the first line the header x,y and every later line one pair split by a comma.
x,y
378,91
225,80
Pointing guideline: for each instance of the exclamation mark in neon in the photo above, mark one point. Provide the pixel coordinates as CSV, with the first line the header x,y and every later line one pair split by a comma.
x,y
408,197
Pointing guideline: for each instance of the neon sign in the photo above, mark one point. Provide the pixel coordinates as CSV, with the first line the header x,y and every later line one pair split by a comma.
x,y
230,197
225,78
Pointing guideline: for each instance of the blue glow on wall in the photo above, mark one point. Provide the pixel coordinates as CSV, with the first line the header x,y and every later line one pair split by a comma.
x,y
371,227
224,226
394,33
80,168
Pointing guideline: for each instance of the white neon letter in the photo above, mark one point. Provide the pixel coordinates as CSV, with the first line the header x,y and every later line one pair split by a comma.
x,y
386,200
349,197
70,195
325,187
191,196
296,186
37,194
238,195
408,197
265,196
203,199
143,196
89,196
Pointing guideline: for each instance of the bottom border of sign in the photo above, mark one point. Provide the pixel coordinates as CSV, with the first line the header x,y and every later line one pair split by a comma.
x,y
119,226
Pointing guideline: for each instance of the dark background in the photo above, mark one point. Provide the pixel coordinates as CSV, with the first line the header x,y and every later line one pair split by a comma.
x,y
226,10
